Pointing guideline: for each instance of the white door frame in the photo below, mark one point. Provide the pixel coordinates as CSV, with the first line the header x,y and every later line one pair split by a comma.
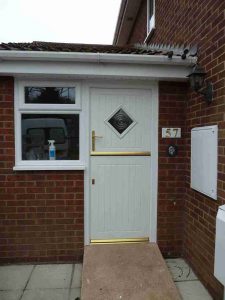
x,y
135,84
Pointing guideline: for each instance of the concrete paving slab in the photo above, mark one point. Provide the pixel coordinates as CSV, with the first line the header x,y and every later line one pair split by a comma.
x,y
46,294
180,270
14,277
76,283
193,290
74,293
10,295
50,277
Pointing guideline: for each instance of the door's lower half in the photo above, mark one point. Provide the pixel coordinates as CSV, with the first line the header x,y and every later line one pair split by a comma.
x,y
120,197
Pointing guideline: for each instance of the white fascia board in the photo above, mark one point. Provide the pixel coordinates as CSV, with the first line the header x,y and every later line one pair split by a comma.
x,y
93,57
93,65
94,70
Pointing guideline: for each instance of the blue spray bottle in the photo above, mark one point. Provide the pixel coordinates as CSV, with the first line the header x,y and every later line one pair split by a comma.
x,y
51,151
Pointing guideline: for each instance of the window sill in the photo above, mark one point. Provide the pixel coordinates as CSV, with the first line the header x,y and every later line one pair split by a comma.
x,y
48,167
149,35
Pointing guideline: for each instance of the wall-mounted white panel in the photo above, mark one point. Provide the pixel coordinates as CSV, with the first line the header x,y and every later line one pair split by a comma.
x,y
204,156
219,269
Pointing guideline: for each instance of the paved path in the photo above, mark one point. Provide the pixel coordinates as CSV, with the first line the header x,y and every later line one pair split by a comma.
x,y
40,282
126,271
187,282
63,282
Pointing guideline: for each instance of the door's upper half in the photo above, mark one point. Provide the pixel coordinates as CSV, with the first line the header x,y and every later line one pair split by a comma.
x,y
121,120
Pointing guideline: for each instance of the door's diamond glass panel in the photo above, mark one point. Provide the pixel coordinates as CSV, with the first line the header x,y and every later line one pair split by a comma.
x,y
120,121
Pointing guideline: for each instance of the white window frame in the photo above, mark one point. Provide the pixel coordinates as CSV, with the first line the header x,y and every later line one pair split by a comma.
x,y
20,107
150,19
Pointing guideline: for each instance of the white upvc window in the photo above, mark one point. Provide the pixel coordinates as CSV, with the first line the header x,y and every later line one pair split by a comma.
x,y
48,110
150,16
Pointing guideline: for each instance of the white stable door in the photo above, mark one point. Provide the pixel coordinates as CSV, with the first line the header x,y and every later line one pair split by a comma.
x,y
120,163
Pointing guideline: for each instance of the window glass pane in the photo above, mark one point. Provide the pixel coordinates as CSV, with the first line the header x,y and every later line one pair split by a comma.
x,y
37,129
57,134
50,95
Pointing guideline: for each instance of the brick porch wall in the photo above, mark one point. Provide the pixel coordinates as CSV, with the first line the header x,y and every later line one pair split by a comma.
x,y
171,186
41,212
203,23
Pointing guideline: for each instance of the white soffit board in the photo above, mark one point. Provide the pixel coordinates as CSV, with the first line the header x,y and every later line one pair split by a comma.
x,y
204,157
127,16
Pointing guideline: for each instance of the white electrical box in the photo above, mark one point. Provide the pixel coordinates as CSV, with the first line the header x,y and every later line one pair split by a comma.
x,y
219,266
204,157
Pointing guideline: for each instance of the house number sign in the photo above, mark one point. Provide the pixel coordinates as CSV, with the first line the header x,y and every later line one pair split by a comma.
x,y
171,133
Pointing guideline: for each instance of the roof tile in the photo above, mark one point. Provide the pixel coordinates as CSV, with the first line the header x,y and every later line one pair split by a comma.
x,y
92,48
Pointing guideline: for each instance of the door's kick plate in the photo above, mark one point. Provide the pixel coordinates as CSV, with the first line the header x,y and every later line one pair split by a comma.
x,y
143,153
120,241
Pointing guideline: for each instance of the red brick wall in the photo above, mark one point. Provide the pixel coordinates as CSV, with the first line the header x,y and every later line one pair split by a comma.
x,y
199,22
171,186
41,212
200,211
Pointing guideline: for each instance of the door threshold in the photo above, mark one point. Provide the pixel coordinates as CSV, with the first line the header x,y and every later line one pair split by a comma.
x,y
120,241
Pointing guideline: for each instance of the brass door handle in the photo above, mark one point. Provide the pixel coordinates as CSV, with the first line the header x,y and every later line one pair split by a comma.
x,y
93,136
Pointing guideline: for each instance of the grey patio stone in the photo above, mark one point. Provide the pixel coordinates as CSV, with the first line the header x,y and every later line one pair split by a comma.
x,y
193,290
10,295
46,294
50,277
76,283
14,277
180,270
